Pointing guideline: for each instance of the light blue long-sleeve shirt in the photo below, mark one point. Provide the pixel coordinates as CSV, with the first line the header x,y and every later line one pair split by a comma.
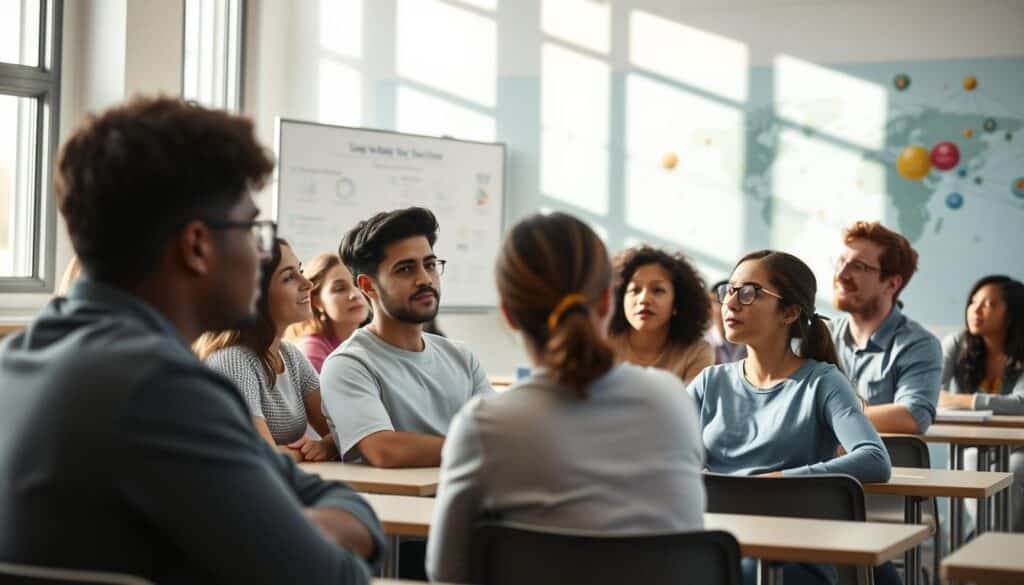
x,y
793,427
900,364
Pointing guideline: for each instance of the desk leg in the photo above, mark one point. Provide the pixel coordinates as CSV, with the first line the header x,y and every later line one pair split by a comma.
x,y
955,504
981,523
1005,510
912,558
769,573
390,568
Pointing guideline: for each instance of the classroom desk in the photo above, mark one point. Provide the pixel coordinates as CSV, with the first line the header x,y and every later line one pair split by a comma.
x,y
413,481
996,441
916,484
8,327
990,559
1009,421
767,538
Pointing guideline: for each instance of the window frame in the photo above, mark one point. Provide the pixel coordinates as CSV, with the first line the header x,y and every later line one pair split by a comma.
x,y
236,11
40,83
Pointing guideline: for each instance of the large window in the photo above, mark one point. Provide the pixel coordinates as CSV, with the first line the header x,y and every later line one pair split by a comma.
x,y
29,104
213,52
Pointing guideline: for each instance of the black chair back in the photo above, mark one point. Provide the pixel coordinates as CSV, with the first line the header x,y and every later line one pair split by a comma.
x,y
823,497
510,554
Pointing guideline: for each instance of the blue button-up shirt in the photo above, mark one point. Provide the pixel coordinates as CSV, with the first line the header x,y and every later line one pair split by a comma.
x,y
900,364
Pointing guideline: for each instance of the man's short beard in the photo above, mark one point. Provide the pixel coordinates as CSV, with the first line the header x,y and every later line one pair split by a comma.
x,y
406,315
867,309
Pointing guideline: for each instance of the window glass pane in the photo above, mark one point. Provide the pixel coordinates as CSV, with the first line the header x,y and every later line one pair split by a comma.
x,y
19,32
213,32
17,185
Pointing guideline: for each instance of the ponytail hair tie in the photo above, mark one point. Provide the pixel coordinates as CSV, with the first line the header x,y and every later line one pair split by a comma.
x,y
567,302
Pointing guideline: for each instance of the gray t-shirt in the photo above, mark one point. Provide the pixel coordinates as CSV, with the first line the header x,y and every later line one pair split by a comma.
x,y
281,404
627,460
370,385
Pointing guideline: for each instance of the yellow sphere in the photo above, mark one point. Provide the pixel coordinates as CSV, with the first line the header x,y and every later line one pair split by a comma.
x,y
968,133
970,83
670,160
913,163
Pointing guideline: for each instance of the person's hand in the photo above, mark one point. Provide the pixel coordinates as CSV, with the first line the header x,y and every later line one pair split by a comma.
x,y
313,450
951,400
295,454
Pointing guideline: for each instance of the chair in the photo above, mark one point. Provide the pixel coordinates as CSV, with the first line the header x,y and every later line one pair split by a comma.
x,y
17,574
908,451
823,497
511,554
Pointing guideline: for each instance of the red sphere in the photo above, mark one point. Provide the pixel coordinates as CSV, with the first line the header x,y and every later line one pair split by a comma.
x,y
945,155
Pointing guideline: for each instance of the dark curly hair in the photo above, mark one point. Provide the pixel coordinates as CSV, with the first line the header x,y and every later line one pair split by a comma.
x,y
133,176
692,306
970,367
363,246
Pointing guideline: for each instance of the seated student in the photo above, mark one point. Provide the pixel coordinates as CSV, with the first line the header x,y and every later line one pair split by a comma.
x,y
150,465
391,390
894,363
725,350
661,312
339,308
984,365
279,385
583,443
780,411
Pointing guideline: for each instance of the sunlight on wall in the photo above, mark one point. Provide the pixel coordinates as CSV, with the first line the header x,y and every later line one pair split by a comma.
x,y
584,23
575,93
341,94
420,113
699,204
688,55
341,27
820,178
448,48
491,5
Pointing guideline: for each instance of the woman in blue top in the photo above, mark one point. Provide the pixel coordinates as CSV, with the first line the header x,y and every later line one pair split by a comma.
x,y
786,408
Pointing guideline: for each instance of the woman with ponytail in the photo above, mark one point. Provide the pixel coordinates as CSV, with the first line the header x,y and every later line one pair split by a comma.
x,y
785,408
583,443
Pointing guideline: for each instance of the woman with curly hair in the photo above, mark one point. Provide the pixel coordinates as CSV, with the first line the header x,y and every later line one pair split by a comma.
x,y
661,312
983,366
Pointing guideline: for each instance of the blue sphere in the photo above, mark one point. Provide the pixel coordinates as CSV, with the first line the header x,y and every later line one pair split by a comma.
x,y
954,201
961,172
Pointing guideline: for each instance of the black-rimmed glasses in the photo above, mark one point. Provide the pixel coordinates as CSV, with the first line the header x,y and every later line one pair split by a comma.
x,y
745,293
263,231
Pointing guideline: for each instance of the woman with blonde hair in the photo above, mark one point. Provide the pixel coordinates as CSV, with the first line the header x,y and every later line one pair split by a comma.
x,y
338,306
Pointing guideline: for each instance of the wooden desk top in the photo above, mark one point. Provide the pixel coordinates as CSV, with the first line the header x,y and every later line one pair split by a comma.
x,y
910,481
973,435
997,421
415,481
501,380
992,558
8,327
766,537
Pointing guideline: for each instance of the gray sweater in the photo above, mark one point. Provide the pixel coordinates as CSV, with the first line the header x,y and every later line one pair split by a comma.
x,y
1011,397
627,459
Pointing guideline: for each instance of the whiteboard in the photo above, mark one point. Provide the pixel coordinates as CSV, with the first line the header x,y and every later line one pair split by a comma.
x,y
332,177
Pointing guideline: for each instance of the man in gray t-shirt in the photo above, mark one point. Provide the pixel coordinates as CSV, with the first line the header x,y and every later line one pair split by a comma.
x,y
390,390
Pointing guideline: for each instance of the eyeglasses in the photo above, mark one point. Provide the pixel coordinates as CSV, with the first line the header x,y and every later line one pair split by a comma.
x,y
433,267
746,294
263,232
856,266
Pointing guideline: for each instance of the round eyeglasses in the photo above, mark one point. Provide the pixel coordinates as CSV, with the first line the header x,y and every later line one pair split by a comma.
x,y
745,293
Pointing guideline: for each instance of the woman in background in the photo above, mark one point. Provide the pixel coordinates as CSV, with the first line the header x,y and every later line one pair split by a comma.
x,y
661,312
983,366
278,383
337,305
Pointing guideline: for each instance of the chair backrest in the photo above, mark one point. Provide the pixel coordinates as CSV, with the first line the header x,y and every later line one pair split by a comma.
x,y
907,451
511,554
13,573
824,497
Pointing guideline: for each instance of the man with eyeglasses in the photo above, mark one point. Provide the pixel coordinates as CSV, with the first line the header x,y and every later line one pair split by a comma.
x,y
895,363
119,450
391,390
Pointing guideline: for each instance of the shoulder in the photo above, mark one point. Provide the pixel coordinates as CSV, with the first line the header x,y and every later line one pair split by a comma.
x,y
910,333
450,348
827,375
308,343
235,354
292,353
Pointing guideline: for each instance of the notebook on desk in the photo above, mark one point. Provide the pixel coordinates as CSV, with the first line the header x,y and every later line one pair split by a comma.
x,y
960,415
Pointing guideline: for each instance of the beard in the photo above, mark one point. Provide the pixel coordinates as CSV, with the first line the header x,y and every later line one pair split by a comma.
x,y
864,308
406,313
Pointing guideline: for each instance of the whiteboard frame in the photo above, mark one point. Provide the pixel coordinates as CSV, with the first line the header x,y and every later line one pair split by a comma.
x,y
275,201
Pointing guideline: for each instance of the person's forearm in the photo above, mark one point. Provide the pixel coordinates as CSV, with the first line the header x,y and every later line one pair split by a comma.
x,y
892,418
397,449
344,529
